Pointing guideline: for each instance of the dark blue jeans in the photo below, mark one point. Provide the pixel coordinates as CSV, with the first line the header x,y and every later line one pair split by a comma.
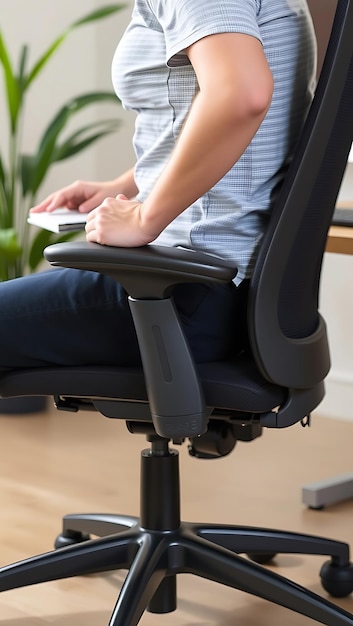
x,y
74,317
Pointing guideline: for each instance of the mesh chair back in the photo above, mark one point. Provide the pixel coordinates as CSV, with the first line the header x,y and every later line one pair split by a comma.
x,y
287,333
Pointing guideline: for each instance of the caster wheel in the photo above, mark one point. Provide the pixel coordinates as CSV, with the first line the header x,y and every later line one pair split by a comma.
x,y
262,558
337,580
69,538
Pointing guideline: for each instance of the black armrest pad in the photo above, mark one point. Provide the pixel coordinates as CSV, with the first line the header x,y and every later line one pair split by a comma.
x,y
149,271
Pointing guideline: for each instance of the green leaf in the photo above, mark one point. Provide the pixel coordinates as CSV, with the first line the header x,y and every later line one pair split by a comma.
x,y
10,249
44,60
27,171
60,120
40,241
35,168
99,14
93,16
13,93
22,69
43,239
2,172
71,146
3,193
93,97
84,137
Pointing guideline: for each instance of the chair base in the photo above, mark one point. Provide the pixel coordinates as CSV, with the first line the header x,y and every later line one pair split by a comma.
x,y
158,546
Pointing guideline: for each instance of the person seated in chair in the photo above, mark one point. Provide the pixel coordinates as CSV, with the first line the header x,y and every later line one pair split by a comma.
x,y
220,90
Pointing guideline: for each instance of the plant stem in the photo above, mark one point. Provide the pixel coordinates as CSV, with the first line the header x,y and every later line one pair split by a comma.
x,y
3,203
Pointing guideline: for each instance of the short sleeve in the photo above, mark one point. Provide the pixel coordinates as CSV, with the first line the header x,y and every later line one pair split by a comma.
x,y
186,21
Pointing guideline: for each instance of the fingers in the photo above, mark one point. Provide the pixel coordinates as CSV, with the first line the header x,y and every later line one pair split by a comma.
x,y
74,196
88,205
97,223
43,206
81,196
57,200
116,222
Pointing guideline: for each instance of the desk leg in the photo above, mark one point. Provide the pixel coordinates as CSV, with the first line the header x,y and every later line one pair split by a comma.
x,y
326,492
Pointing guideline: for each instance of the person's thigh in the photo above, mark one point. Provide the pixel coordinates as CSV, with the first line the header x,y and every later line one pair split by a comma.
x,y
73,317
65,317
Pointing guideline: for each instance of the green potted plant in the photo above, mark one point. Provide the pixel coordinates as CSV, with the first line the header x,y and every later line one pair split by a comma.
x,y
21,175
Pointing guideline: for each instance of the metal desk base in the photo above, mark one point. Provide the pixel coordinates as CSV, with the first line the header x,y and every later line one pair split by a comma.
x,y
327,492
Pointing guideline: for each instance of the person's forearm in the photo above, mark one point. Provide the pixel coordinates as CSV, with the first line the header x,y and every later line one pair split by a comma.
x,y
212,140
125,184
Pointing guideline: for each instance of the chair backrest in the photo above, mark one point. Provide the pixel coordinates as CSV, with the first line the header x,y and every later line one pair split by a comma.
x,y
287,334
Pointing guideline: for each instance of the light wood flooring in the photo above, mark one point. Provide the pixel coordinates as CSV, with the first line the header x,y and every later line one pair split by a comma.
x,y
55,463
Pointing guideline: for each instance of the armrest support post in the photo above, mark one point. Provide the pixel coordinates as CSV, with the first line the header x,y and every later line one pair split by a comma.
x,y
169,368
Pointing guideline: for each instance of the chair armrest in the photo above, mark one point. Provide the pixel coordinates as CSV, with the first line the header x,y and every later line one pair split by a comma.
x,y
146,272
148,275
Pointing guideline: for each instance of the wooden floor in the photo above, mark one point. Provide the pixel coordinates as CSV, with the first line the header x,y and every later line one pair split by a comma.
x,y
55,463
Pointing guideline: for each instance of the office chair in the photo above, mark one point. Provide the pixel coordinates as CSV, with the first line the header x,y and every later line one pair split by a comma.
x,y
274,383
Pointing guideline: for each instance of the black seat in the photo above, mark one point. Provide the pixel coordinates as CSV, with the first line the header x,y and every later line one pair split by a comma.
x,y
278,381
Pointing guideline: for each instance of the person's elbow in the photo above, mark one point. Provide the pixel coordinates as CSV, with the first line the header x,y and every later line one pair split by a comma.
x,y
260,97
253,99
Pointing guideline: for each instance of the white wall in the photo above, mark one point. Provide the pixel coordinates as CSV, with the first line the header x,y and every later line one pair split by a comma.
x,y
336,303
82,64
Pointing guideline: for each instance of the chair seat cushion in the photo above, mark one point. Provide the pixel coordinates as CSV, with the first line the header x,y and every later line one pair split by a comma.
x,y
234,384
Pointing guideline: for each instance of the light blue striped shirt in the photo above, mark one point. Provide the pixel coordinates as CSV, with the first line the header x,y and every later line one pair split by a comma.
x,y
153,77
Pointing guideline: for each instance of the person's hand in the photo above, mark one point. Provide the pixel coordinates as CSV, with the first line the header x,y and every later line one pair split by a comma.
x,y
80,195
118,222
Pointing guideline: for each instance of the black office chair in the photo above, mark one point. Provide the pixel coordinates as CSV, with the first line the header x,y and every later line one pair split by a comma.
x,y
274,384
